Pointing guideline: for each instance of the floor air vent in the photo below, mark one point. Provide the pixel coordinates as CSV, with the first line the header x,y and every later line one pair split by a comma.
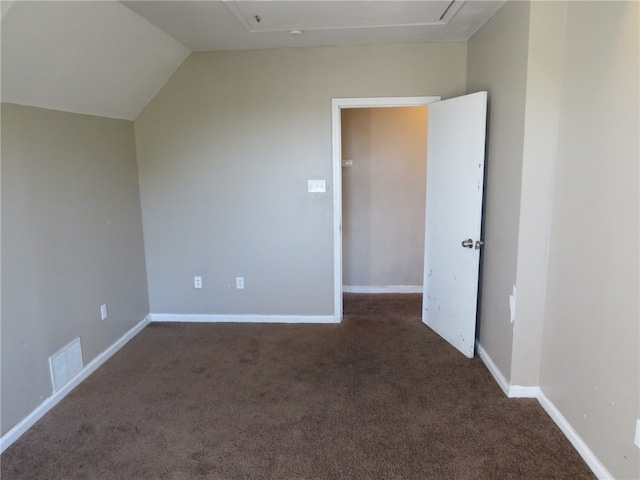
x,y
66,364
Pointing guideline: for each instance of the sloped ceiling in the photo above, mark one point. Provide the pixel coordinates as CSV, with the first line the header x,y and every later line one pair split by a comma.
x,y
97,58
110,58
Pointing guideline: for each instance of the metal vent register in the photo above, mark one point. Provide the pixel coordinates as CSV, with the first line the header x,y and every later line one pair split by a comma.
x,y
66,364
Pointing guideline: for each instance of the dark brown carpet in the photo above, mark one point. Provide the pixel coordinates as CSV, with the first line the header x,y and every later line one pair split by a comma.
x,y
377,397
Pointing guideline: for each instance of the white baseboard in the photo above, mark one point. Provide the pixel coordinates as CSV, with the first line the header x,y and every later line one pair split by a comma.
x,y
511,391
206,318
386,289
517,391
585,452
17,431
493,369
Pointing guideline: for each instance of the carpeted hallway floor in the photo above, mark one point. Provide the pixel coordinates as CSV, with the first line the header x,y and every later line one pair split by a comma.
x,y
379,396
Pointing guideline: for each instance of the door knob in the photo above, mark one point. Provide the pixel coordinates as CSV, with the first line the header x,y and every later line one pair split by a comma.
x,y
467,243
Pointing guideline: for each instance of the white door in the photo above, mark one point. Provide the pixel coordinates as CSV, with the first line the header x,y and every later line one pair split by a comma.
x,y
455,175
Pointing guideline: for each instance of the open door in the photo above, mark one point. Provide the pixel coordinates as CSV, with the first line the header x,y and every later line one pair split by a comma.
x,y
455,179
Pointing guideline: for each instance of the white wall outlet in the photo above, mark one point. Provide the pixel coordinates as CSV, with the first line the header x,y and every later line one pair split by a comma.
x,y
239,283
317,186
103,311
637,440
197,282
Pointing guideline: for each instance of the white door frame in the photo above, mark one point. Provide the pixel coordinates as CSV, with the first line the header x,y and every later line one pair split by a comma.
x,y
337,104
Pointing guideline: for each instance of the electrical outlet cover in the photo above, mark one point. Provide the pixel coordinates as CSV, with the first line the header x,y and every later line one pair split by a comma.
x,y
317,186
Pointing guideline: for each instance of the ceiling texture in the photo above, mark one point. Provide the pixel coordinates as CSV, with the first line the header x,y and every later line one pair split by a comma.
x,y
110,58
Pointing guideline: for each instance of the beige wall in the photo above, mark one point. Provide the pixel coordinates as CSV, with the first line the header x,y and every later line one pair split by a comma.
x,y
590,354
544,78
497,63
225,151
383,195
71,241
576,326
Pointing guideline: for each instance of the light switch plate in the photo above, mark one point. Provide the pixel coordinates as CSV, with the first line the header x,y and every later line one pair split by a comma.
x,y
317,186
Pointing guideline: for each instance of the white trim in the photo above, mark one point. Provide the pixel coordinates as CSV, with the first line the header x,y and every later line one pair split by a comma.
x,y
493,369
206,318
336,137
511,391
337,104
387,289
517,391
585,452
374,102
18,430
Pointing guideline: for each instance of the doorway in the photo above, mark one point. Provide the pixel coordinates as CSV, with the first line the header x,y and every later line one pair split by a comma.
x,y
338,105
383,199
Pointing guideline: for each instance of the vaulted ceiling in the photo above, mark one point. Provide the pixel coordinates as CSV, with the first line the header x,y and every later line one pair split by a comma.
x,y
97,58
110,58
